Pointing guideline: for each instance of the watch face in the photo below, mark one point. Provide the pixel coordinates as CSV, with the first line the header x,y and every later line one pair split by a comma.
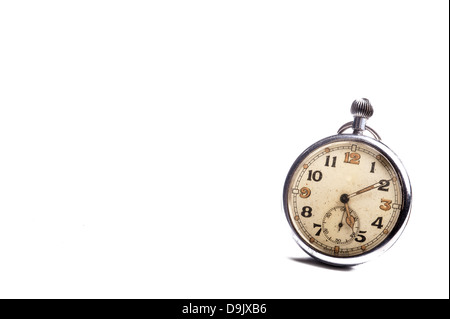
x,y
344,198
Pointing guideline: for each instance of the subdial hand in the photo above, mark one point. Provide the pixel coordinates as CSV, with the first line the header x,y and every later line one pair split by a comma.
x,y
341,223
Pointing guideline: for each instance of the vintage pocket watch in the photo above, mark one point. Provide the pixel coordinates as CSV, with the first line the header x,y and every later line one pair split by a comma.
x,y
347,197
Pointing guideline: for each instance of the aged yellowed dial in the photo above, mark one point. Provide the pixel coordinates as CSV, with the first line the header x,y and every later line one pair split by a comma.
x,y
344,198
347,197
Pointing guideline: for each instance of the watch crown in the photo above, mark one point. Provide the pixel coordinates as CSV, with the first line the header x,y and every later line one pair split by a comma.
x,y
362,108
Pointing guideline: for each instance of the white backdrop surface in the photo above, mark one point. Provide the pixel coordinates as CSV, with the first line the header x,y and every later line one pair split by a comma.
x,y
144,145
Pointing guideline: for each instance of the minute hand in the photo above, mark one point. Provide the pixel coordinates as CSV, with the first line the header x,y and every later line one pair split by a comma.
x,y
381,183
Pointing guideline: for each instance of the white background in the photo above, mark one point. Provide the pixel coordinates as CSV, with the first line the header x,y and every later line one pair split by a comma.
x,y
144,144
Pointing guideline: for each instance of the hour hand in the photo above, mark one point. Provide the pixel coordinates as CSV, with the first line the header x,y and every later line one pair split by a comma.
x,y
350,219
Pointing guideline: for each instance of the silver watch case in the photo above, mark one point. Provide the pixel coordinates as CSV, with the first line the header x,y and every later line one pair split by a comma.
x,y
403,215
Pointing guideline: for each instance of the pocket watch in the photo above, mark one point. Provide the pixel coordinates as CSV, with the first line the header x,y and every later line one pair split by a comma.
x,y
347,197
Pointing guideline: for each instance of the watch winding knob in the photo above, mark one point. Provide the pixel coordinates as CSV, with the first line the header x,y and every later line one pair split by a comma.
x,y
361,110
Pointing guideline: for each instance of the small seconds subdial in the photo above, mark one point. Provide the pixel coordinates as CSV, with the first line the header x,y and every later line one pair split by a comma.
x,y
340,226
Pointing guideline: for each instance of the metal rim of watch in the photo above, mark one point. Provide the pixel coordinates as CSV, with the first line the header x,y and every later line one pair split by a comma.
x,y
403,215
